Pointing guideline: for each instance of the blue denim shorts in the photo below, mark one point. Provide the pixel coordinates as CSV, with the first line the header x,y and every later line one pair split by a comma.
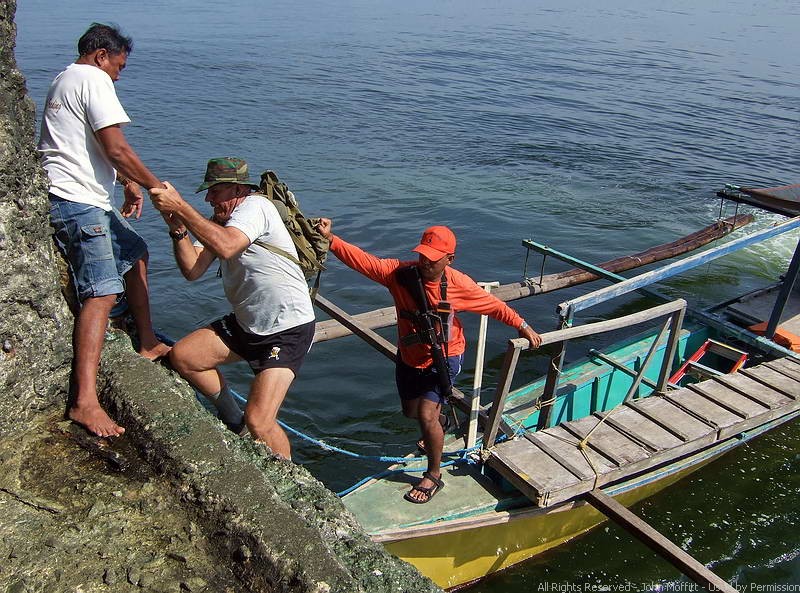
x,y
100,246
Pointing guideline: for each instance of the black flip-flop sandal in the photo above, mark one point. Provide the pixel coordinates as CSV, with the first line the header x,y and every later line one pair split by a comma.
x,y
428,493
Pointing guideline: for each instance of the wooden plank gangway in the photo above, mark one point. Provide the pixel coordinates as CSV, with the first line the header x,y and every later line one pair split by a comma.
x,y
573,458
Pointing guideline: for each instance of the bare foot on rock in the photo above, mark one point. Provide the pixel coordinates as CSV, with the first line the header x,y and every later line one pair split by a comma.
x,y
94,419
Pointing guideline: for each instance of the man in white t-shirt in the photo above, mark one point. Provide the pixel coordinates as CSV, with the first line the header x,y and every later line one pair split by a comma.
x,y
272,323
84,152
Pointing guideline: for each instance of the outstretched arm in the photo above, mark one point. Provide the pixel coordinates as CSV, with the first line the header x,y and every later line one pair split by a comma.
x,y
372,267
124,158
192,260
468,296
224,242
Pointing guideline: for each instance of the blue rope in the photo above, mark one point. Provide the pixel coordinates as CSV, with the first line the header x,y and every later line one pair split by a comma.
x,y
462,455
464,458
380,458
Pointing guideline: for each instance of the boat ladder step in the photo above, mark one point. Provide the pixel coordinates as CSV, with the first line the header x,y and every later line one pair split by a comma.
x,y
693,367
701,371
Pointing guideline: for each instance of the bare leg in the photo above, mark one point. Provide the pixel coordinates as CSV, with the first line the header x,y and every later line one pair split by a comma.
x,y
261,415
411,407
87,342
433,435
139,300
196,358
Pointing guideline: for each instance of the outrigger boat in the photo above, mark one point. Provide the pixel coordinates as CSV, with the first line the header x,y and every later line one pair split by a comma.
x,y
687,386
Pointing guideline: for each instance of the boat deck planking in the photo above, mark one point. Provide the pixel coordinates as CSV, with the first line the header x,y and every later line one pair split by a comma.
x,y
758,392
672,418
611,443
703,408
786,366
729,399
553,465
774,379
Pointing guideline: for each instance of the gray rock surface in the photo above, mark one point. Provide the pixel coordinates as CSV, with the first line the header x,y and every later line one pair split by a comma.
x,y
178,503
35,323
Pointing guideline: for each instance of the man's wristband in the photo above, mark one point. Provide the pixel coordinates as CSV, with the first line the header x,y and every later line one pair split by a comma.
x,y
523,325
178,235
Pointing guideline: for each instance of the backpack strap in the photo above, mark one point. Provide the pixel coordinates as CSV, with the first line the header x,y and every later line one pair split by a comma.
x,y
445,312
315,289
303,249
277,250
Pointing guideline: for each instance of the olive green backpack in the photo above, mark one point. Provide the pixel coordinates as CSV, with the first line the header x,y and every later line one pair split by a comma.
x,y
312,247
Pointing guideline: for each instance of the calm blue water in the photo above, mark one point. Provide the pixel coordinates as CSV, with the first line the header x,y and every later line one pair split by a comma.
x,y
598,130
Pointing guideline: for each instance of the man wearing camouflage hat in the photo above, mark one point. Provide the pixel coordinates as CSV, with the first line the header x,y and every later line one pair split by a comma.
x,y
272,323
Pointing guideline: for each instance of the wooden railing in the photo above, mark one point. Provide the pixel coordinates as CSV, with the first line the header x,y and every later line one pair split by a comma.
x,y
674,310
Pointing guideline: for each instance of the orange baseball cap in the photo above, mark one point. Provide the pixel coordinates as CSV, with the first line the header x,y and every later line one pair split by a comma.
x,y
436,242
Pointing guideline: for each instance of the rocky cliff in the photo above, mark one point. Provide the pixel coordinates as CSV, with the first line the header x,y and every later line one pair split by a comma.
x,y
178,503
35,323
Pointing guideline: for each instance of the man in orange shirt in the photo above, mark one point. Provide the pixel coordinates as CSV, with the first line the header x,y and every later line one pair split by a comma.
x,y
419,381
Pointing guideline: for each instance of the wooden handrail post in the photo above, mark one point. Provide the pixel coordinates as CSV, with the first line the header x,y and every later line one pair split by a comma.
x,y
672,348
551,385
477,381
647,360
503,387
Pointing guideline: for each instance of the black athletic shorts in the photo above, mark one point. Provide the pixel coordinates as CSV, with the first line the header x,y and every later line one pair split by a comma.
x,y
413,382
286,349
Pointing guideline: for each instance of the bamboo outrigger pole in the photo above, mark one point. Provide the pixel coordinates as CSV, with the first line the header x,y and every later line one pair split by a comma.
x,y
331,329
676,556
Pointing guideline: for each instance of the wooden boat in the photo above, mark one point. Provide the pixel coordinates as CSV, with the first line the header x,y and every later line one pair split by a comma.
x,y
680,389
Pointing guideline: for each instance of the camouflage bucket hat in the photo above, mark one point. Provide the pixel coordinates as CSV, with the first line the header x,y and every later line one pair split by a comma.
x,y
226,170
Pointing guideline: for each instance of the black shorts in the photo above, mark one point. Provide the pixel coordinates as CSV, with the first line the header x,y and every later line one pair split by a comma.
x,y
413,382
286,349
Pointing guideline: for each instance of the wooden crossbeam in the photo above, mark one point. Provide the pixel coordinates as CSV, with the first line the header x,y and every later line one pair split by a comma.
x,y
374,339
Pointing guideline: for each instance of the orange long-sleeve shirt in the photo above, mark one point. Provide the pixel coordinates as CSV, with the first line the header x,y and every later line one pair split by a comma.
x,y
463,294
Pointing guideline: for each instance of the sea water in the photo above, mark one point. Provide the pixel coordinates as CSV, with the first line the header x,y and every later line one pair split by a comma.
x,y
599,129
